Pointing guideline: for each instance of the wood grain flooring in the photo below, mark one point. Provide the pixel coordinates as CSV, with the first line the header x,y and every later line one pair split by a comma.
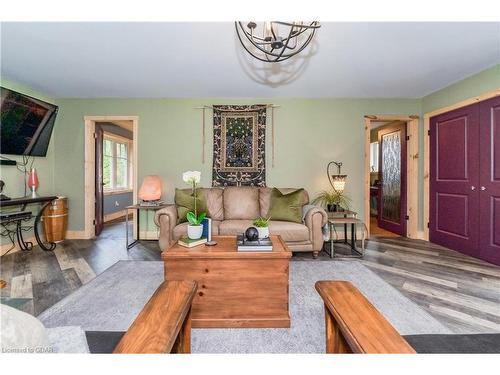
x,y
461,292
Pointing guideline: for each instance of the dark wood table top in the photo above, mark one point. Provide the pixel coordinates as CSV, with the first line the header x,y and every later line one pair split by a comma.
x,y
26,200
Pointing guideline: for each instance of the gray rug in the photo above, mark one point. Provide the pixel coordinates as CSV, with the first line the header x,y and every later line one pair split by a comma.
x,y
111,301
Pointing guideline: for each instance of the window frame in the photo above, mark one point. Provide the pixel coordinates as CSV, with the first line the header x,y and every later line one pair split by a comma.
x,y
116,139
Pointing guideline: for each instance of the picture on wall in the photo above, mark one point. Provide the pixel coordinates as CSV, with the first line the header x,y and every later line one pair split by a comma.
x,y
239,145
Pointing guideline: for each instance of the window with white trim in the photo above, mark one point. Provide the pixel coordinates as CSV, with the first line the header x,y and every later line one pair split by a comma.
x,y
117,163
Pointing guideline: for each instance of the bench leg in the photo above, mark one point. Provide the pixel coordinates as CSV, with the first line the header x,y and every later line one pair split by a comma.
x,y
335,342
183,342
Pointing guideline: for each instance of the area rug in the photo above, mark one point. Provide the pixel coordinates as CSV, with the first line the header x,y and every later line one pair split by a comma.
x,y
111,301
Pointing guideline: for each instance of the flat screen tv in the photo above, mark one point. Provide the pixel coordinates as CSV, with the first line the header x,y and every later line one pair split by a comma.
x,y
25,124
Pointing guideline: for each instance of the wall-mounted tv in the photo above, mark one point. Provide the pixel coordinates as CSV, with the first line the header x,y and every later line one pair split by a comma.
x,y
26,124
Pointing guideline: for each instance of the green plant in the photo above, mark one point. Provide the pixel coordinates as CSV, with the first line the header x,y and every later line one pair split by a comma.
x,y
195,220
261,222
193,178
326,197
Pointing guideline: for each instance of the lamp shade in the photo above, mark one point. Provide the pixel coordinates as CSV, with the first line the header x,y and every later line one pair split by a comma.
x,y
33,179
151,188
338,183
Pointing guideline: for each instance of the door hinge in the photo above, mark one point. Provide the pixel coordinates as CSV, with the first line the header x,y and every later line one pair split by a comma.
x,y
429,132
407,137
407,217
428,225
93,222
95,135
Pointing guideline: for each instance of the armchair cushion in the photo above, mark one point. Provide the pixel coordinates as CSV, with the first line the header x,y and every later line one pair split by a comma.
x,y
286,207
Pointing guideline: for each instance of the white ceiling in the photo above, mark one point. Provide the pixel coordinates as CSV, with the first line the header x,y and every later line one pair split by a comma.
x,y
205,60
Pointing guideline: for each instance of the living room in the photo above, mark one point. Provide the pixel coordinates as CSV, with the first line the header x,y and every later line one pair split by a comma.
x,y
356,169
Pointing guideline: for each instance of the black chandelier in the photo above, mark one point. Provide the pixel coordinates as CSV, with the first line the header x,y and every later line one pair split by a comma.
x,y
275,41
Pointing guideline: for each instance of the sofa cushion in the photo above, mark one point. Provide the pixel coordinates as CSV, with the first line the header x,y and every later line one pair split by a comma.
x,y
234,227
184,200
286,207
265,198
289,232
181,229
241,203
214,199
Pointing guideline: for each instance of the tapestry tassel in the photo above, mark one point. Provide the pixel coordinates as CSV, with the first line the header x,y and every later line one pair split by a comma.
x,y
203,139
272,136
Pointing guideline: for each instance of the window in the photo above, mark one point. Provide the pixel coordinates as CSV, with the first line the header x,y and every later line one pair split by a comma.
x,y
374,157
116,163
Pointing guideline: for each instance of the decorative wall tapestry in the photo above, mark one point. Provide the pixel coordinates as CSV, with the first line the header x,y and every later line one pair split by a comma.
x,y
239,145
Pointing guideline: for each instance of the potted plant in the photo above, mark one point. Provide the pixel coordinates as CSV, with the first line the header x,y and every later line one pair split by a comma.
x,y
194,228
262,225
333,200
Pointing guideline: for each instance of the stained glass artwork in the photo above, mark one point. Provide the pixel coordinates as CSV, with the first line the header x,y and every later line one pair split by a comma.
x,y
391,177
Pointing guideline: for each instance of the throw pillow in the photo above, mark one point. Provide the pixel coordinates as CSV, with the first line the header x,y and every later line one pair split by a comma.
x,y
286,207
185,202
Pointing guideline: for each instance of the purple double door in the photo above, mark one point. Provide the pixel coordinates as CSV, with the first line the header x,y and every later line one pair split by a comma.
x,y
465,180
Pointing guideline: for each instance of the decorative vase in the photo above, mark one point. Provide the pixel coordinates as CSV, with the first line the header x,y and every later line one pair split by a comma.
x,y
332,207
263,232
194,232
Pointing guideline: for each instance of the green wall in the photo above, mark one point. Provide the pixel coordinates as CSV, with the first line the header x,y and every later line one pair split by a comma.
x,y
485,81
309,133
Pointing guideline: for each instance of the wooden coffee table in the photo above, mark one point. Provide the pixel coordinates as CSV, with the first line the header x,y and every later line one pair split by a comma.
x,y
235,289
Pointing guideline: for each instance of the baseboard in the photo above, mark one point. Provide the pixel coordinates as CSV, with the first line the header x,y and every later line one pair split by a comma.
x,y
149,235
76,235
114,215
420,235
5,247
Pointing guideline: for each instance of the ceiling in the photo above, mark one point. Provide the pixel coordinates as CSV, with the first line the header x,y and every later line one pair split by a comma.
x,y
87,60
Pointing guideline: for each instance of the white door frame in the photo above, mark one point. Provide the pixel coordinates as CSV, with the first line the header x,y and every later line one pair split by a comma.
x,y
427,122
89,166
411,169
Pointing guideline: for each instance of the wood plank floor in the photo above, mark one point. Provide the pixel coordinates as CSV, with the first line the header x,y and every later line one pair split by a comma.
x,y
461,292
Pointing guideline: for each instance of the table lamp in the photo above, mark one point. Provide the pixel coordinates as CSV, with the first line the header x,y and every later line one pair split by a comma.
x,y
33,182
336,180
150,191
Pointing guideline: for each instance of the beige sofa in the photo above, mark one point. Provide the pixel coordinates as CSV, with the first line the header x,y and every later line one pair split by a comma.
x,y
233,209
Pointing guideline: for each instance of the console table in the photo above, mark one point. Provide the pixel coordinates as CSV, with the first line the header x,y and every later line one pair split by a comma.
x,y
17,222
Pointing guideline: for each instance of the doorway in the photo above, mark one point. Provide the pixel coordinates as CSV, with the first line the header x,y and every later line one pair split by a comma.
x,y
391,172
110,170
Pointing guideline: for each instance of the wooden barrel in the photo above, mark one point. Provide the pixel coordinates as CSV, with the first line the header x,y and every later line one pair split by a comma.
x,y
55,220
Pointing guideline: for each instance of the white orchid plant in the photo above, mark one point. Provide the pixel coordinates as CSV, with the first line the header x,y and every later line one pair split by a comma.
x,y
193,178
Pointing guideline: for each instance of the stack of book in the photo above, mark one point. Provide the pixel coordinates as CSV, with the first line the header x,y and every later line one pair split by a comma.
x,y
187,242
244,244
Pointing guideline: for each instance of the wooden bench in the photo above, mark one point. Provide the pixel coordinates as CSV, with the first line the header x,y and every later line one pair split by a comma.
x,y
354,325
164,324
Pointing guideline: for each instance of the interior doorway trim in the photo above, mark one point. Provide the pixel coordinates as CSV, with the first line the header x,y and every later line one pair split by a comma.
x,y
89,166
411,169
427,117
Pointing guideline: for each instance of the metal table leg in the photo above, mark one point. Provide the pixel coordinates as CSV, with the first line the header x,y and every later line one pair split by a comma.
x,y
52,245
133,243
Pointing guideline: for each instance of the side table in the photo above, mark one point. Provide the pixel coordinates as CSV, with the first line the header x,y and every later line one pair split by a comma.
x,y
345,218
138,208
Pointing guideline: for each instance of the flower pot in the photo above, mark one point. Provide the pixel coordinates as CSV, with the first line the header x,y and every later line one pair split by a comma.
x,y
194,232
332,207
263,232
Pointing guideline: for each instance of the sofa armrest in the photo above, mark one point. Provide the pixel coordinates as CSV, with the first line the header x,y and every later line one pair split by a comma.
x,y
166,220
315,219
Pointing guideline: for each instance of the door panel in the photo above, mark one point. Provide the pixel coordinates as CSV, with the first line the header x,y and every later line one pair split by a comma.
x,y
454,180
392,176
489,192
99,192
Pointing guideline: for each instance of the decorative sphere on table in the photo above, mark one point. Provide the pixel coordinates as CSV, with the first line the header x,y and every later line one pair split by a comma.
x,y
252,234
